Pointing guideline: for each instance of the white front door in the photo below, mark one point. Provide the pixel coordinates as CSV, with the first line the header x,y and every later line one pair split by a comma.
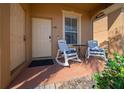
x,y
41,37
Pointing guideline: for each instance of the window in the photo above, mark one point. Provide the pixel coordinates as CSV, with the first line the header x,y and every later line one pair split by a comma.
x,y
71,30
72,27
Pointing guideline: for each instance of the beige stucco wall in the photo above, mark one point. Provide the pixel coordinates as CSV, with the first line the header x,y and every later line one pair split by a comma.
x,y
54,12
5,45
0,44
100,29
116,31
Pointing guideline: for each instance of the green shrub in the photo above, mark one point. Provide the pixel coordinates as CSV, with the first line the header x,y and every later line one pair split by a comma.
x,y
113,75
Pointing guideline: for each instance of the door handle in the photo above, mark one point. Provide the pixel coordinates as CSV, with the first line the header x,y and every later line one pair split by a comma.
x,y
49,37
24,38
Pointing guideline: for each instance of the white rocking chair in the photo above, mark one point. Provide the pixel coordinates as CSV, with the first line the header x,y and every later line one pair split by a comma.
x,y
95,50
66,52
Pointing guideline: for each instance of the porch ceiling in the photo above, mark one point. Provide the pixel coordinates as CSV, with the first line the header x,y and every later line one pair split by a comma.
x,y
88,7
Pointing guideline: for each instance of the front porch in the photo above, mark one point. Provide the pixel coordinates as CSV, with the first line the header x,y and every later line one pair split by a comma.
x,y
56,76
24,39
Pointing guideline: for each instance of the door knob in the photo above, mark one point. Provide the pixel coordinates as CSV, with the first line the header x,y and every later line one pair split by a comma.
x,y
24,38
49,37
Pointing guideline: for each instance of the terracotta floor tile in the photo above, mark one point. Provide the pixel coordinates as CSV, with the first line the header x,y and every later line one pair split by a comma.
x,y
34,76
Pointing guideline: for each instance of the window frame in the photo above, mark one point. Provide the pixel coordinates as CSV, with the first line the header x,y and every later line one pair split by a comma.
x,y
71,14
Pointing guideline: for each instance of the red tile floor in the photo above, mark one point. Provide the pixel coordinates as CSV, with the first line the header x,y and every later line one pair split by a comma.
x,y
32,77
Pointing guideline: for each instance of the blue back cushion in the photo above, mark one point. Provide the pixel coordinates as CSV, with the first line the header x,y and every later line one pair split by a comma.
x,y
92,43
62,45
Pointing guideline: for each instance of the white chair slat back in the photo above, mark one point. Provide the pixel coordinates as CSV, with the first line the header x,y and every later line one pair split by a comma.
x,y
62,45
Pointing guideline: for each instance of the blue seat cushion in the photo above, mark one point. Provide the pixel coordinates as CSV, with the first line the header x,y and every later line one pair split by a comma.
x,y
71,51
97,49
